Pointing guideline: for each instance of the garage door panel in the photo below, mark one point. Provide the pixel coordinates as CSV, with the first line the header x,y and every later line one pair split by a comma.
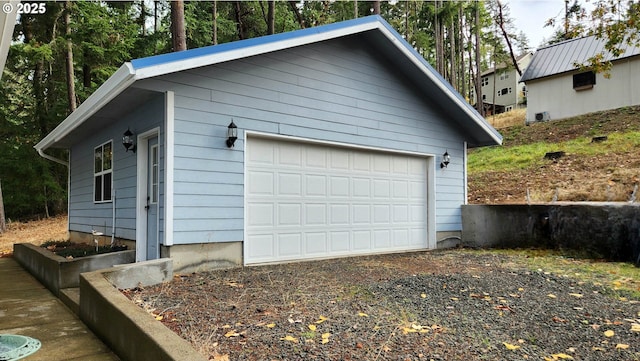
x,y
289,214
289,244
260,214
260,182
339,242
361,214
382,239
361,240
289,184
262,247
316,185
339,214
316,243
315,201
316,158
315,214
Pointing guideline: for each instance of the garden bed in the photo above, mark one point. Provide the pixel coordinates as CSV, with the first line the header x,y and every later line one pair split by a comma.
x,y
56,272
71,250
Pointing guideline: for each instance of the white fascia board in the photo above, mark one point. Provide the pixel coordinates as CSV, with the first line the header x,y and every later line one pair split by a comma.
x,y
7,23
116,84
459,102
185,64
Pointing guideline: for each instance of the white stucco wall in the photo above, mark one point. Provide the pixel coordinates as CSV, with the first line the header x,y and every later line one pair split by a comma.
x,y
556,95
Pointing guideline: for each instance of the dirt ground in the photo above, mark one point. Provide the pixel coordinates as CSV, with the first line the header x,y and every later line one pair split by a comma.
x,y
441,305
35,232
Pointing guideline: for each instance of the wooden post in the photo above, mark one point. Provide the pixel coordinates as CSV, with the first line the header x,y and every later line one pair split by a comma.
x,y
3,224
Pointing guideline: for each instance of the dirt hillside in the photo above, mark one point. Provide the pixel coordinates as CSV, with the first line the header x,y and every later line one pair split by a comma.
x,y
574,177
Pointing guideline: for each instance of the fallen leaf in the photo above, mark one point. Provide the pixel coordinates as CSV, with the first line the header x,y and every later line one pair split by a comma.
x,y
159,318
312,327
622,346
510,346
271,325
416,327
635,327
362,314
321,319
290,338
576,295
551,295
594,348
561,356
324,340
609,333
220,357
231,333
226,326
454,299
423,295
326,335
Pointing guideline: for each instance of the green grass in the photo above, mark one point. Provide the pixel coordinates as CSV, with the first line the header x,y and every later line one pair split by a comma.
x,y
502,159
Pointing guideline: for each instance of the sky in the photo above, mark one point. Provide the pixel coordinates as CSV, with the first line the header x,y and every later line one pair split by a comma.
x,y
531,15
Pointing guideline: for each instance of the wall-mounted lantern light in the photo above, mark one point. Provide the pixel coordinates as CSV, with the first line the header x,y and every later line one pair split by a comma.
x,y
232,134
128,141
445,160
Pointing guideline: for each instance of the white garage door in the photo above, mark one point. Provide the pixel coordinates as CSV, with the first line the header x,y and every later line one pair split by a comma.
x,y
308,201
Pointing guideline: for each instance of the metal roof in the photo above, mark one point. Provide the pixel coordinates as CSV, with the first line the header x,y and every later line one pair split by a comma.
x,y
372,29
563,57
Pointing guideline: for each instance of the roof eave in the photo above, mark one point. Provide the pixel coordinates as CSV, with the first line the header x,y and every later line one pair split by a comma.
x,y
111,88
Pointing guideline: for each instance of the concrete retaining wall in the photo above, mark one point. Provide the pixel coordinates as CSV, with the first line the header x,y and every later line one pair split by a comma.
x,y
57,272
128,330
608,230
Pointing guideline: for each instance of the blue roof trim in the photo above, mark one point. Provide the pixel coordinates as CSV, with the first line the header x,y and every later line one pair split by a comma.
x,y
262,40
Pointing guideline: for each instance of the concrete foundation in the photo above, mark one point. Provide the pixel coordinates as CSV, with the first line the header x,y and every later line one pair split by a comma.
x,y
200,257
450,239
604,230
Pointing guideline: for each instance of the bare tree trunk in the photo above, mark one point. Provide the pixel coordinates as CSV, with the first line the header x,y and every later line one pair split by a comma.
x,y
71,87
501,25
294,7
155,15
3,224
178,31
376,7
453,66
214,17
479,102
271,17
355,9
240,26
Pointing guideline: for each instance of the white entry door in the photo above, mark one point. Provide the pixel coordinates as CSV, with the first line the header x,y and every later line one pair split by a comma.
x,y
307,200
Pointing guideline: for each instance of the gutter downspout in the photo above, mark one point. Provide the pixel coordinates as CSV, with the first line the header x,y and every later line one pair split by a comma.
x,y
51,158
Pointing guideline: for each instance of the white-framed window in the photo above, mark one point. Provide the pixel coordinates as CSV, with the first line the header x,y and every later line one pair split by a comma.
x,y
485,80
504,75
102,172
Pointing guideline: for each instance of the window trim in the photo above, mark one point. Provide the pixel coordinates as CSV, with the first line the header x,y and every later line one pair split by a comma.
x,y
587,82
102,174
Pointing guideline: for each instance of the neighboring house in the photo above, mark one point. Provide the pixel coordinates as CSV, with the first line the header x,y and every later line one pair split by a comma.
x,y
558,89
501,87
341,132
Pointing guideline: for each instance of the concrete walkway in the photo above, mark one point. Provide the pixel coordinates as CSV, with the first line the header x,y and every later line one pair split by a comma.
x,y
27,308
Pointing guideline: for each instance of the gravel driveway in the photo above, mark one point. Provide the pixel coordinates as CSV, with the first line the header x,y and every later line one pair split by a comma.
x,y
441,305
